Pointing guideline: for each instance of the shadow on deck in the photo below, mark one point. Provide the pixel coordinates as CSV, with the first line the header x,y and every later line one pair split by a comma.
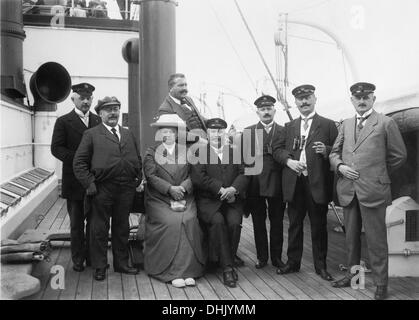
x,y
253,284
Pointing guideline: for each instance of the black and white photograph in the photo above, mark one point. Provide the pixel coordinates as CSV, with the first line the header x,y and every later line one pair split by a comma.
x,y
214,152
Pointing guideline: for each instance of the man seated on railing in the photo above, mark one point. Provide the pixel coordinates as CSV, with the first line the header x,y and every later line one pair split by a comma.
x,y
79,8
98,9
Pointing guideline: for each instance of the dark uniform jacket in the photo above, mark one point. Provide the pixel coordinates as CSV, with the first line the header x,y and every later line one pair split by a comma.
x,y
193,119
320,175
68,131
101,158
209,178
268,182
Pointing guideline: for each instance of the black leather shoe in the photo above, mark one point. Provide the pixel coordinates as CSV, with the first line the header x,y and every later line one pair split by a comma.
x,y
228,279
235,275
100,274
278,263
325,275
287,269
381,293
260,264
342,283
238,262
78,267
127,270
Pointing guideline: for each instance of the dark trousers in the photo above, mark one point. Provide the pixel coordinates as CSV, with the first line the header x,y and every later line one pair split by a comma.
x,y
375,233
79,233
275,208
224,235
112,201
302,203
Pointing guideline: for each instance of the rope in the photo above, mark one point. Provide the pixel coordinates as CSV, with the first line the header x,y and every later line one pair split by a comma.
x,y
232,45
280,97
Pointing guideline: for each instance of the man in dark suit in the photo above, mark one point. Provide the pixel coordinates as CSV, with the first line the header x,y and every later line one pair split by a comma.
x,y
368,148
220,187
307,181
108,165
265,191
178,102
66,137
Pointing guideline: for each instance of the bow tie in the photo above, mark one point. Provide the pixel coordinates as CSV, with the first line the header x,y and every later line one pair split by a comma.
x,y
183,101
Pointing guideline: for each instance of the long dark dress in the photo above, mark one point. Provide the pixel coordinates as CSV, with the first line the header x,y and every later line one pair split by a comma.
x,y
172,239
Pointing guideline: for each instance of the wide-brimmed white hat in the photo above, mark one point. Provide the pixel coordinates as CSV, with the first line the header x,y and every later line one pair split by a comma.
x,y
169,120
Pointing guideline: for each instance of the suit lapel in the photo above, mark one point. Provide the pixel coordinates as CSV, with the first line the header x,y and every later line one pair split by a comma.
x,y
124,136
93,121
76,123
367,130
315,124
192,105
108,135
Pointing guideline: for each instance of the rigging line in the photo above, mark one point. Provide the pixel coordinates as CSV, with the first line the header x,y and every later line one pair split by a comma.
x,y
280,97
232,45
314,40
309,7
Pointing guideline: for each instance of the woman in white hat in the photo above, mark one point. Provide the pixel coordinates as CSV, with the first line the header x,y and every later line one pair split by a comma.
x,y
173,250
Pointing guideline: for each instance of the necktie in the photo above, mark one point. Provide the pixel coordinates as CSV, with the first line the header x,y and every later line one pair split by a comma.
x,y
359,126
361,122
114,133
184,104
268,128
305,125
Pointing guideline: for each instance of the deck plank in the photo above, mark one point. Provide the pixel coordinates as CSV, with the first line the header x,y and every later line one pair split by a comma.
x,y
193,293
255,284
129,285
160,290
206,290
177,293
145,288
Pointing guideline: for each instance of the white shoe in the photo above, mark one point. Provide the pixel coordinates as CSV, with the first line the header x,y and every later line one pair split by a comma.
x,y
190,282
178,283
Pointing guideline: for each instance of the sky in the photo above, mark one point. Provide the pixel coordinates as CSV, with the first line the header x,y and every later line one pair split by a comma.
x,y
331,45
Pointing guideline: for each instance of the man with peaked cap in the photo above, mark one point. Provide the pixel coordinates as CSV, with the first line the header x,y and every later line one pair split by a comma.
x,y
220,187
368,149
307,181
265,190
108,165
66,137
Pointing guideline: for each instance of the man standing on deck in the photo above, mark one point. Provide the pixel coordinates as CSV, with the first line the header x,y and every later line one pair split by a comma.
x,y
66,137
108,165
368,148
307,181
265,190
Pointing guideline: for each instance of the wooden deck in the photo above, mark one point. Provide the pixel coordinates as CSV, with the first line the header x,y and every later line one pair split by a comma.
x,y
253,284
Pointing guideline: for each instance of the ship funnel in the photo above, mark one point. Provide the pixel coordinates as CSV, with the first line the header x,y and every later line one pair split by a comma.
x,y
50,84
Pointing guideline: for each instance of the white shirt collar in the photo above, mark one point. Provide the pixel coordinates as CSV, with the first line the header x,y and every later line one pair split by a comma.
x,y
81,114
269,125
366,114
110,128
310,116
169,148
175,100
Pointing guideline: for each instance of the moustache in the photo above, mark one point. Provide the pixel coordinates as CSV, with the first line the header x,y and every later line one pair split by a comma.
x,y
362,105
184,91
305,105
